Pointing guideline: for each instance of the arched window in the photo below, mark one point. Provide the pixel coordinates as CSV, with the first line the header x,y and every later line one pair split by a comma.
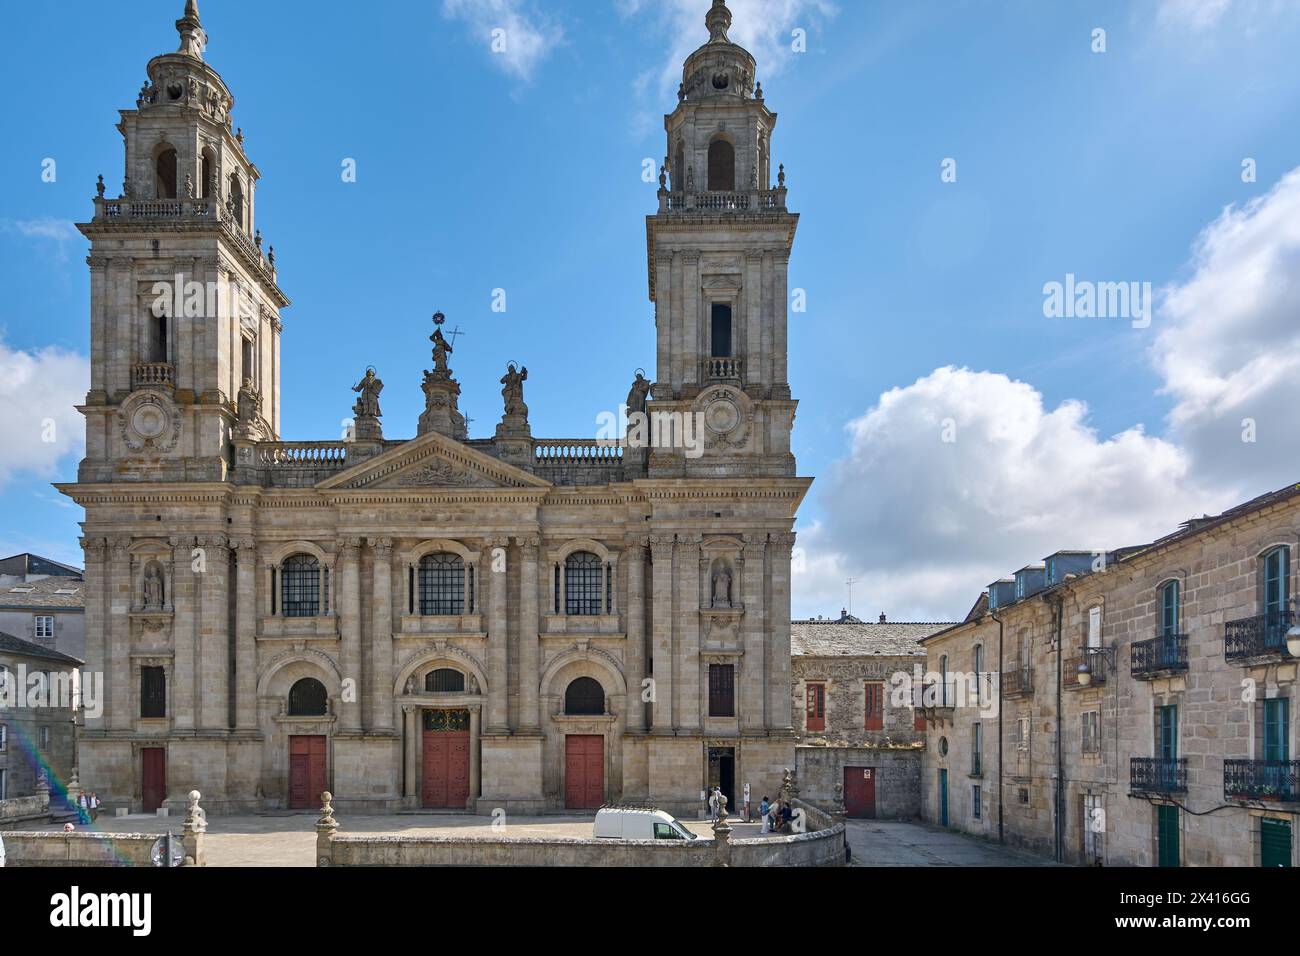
x,y
237,199
307,698
300,586
722,167
1169,608
442,585
582,590
679,168
943,681
1277,584
165,182
206,187
444,681
585,697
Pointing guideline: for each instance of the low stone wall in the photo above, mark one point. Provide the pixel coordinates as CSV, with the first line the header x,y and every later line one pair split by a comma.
x,y
27,849
897,773
20,809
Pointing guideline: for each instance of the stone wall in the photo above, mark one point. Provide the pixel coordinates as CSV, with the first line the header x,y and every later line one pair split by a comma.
x,y
25,849
897,773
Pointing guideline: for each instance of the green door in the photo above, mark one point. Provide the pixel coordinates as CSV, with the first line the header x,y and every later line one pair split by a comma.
x,y
943,798
1167,835
1277,598
1277,747
1275,843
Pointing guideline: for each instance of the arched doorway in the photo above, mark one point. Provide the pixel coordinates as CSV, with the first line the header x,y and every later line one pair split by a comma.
x,y
446,774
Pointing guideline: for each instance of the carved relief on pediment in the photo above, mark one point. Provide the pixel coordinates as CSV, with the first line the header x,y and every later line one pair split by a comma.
x,y
443,474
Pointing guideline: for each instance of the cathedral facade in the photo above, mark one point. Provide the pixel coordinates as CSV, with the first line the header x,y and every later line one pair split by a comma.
x,y
441,621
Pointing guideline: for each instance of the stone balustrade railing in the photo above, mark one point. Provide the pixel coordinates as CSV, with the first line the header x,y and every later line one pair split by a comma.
x,y
577,451
153,374
724,368
302,454
753,201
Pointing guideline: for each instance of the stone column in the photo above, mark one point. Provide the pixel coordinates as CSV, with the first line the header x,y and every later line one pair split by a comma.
x,y
97,618
184,634
529,651
753,348
661,550
350,627
381,670
676,323
779,711
213,665
663,316
686,660
753,666
245,634
636,663
781,308
411,718
694,337
498,638
118,646
475,752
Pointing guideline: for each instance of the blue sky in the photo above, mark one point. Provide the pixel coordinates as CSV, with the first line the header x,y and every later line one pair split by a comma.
x,y
523,171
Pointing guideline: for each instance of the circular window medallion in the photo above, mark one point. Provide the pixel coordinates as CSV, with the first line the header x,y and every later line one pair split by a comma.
x,y
175,90
943,746
149,421
721,81
722,416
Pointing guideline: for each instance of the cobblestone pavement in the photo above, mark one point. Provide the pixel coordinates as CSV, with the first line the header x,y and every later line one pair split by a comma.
x,y
894,843
289,839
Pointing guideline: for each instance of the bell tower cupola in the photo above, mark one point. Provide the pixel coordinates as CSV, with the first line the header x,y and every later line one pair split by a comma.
x,y
719,252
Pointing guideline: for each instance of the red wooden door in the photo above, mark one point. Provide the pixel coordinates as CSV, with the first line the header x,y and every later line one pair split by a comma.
x,y
816,707
153,777
307,777
860,792
446,769
584,772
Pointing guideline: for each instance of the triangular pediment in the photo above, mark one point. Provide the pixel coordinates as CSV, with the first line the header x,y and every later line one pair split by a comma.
x,y
429,463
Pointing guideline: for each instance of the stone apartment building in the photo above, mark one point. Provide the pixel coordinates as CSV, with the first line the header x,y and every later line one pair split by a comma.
x,y
44,602
1147,711
439,621
856,722
37,717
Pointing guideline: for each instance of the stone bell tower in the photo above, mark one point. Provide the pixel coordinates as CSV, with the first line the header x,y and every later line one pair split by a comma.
x,y
719,252
185,325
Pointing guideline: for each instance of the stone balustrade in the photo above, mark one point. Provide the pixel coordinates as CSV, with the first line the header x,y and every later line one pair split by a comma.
x,y
754,201
153,375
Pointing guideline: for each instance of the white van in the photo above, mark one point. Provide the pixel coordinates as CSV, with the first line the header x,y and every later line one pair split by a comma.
x,y
639,823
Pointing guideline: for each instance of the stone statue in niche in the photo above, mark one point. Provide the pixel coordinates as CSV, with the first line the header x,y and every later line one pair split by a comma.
x,y
153,587
722,586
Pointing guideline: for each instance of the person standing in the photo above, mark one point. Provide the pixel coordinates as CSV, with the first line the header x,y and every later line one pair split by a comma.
x,y
763,809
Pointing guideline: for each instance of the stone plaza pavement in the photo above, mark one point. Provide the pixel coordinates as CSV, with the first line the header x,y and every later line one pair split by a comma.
x,y
289,839
894,843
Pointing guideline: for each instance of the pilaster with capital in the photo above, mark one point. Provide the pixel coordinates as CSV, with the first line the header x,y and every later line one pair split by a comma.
x,y
97,617
636,649
661,552
213,664
245,633
381,670
694,316
410,741
496,554
185,624
753,703
117,662
779,715
529,650
686,660
350,629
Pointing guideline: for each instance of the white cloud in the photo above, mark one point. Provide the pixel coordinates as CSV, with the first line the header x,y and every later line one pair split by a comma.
x,y
1229,345
763,27
58,230
526,38
1192,14
40,424
924,524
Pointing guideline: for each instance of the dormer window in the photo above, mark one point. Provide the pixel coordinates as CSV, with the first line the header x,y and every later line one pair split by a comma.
x,y
722,167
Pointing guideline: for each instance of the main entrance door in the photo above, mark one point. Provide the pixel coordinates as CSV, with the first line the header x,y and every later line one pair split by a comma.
x,y
446,759
943,798
584,772
307,775
1167,835
153,777
860,792
722,774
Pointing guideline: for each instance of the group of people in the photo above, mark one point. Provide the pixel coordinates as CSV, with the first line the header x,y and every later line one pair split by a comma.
x,y
87,807
717,804
777,817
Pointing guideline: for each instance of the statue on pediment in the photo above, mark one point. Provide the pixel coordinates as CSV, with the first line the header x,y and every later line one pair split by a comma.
x,y
513,391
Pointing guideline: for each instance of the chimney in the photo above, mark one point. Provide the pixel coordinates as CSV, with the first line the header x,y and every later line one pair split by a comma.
x,y
882,618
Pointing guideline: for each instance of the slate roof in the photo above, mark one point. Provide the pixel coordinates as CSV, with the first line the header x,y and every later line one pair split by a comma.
x,y
27,563
37,595
16,645
836,639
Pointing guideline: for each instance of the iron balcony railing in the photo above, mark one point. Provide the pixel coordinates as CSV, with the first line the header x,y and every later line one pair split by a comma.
x,y
1018,682
1262,780
1160,654
1258,636
1157,775
1096,661
976,764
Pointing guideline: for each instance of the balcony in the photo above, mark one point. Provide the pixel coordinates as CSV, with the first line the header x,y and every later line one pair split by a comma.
x,y
976,764
153,375
1095,659
753,202
1157,775
1260,637
724,369
1160,657
1018,682
1264,780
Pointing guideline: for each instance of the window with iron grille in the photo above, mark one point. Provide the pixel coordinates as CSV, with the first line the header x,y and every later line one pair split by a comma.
x,y
977,801
308,698
442,585
44,625
557,589
582,585
300,586
722,690
585,697
153,692
44,738
445,681
4,737
874,706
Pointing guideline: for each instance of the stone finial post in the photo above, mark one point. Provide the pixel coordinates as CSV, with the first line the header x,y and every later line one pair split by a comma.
x,y
326,828
838,813
43,790
74,788
194,832
786,784
722,835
